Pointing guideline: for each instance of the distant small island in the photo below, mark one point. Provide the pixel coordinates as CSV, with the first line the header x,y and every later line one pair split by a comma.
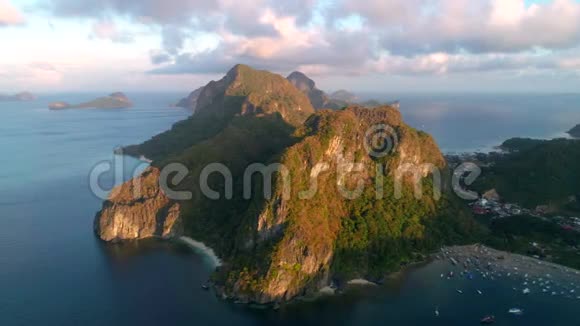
x,y
116,100
574,132
19,97
345,96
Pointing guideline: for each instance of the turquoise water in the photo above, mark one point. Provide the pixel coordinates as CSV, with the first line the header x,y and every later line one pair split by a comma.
x,y
54,272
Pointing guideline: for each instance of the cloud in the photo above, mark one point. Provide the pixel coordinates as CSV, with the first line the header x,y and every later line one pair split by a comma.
x,y
443,63
159,57
292,45
424,26
108,30
33,75
42,66
9,15
404,37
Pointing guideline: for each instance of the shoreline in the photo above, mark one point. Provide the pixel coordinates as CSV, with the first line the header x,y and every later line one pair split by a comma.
x,y
537,275
361,282
474,259
202,249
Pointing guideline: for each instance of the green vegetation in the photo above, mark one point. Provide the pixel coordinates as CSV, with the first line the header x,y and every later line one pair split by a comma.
x,y
521,144
243,91
113,101
533,236
382,235
536,173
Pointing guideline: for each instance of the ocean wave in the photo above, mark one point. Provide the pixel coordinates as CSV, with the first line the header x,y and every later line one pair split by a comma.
x,y
203,249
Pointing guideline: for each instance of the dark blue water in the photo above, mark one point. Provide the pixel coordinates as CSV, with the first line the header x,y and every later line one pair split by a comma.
x,y
54,272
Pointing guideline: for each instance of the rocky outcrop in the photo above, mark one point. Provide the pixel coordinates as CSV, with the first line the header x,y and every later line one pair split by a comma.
x,y
574,132
190,102
318,98
121,98
59,105
265,92
139,209
116,100
306,85
345,96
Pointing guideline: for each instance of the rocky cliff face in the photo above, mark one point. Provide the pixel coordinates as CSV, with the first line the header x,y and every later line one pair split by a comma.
x,y
139,209
190,102
281,246
574,132
299,236
308,87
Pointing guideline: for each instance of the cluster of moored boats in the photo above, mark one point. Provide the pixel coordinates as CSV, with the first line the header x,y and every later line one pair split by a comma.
x,y
482,262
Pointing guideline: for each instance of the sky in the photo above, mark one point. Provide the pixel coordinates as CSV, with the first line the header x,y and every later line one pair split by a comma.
x,y
364,46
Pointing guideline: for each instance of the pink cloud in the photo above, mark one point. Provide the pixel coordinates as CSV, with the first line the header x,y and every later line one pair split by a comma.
x,y
9,15
108,30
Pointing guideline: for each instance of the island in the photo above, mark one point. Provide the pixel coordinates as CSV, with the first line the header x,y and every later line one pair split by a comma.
x,y
116,100
19,97
345,96
575,132
277,240
335,101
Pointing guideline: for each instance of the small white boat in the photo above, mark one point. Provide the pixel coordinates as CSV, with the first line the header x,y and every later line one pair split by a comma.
x,y
479,292
526,291
436,312
516,311
459,291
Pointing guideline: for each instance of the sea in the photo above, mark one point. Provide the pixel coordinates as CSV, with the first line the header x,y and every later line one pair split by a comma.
x,y
54,271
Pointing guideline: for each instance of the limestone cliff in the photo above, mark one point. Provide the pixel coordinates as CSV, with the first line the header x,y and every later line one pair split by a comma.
x,y
318,98
139,209
308,87
299,236
190,102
